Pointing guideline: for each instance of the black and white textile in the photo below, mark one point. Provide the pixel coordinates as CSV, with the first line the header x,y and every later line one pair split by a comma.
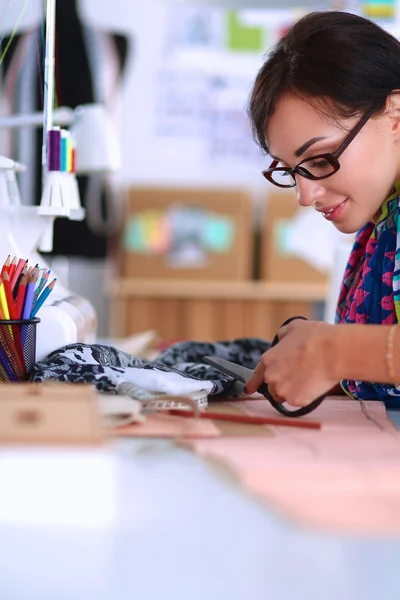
x,y
178,370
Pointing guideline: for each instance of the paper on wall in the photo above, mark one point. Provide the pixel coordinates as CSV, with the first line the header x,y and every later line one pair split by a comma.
x,y
313,239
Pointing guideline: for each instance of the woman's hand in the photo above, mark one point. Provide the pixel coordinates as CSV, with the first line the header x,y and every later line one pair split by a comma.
x,y
300,367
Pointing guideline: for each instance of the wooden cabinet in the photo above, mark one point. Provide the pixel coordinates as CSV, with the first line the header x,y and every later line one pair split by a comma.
x,y
208,310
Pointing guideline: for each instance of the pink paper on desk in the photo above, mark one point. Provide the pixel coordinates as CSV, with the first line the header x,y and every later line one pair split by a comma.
x,y
334,412
344,477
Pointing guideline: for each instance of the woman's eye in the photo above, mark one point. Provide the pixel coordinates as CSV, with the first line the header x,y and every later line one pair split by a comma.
x,y
319,164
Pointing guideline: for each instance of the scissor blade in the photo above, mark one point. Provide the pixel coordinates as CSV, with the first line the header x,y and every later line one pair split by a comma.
x,y
229,368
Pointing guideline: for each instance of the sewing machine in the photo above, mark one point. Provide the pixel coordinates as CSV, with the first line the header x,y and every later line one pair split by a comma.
x,y
24,230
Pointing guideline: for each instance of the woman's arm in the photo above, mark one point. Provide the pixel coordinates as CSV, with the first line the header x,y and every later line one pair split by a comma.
x,y
360,352
312,357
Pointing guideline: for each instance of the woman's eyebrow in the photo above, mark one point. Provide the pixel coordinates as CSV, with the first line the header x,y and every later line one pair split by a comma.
x,y
304,147
307,145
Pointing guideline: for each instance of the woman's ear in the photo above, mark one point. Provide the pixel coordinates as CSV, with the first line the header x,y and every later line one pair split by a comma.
x,y
392,110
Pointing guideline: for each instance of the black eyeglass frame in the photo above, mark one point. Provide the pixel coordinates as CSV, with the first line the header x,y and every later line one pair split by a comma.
x,y
331,157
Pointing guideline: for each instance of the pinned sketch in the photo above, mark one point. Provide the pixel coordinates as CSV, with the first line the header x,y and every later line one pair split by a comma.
x,y
379,9
242,37
194,26
229,135
182,103
211,56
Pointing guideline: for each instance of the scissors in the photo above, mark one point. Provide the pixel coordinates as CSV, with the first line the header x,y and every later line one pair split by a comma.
x,y
240,373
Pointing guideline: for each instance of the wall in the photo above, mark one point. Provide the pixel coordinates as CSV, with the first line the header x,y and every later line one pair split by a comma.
x,y
148,158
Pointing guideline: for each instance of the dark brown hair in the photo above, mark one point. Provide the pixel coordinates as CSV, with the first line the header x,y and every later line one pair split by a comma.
x,y
335,57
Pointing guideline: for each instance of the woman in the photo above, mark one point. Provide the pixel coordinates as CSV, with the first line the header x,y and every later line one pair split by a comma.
x,y
326,107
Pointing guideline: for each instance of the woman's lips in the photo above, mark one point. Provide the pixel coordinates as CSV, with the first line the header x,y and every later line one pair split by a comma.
x,y
333,212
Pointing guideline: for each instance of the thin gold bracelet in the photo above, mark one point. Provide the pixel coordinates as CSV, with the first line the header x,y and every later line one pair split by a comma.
x,y
390,353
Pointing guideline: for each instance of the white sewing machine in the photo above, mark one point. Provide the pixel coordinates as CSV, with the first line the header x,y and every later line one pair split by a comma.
x,y
65,317
25,230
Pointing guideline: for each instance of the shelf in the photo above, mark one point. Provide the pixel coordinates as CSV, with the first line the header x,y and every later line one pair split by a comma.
x,y
217,290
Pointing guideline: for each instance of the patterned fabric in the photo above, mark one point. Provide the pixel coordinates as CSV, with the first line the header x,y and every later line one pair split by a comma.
x,y
370,290
107,368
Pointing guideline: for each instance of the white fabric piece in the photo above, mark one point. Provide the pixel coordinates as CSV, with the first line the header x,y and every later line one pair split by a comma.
x,y
153,380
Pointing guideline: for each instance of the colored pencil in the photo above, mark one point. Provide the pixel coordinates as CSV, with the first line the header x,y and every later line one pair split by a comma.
x,y
13,354
6,265
3,299
20,267
9,297
41,285
28,302
43,296
12,268
19,304
234,418
6,373
18,282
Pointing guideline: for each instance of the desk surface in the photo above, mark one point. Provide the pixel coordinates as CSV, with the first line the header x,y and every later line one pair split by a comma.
x,y
184,533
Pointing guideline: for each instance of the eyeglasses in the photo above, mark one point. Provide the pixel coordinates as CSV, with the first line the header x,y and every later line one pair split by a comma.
x,y
316,167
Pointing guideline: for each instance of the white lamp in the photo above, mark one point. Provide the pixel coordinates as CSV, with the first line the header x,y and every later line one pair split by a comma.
x,y
97,147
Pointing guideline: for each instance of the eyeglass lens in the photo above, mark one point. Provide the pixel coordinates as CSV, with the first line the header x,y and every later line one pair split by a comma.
x,y
317,167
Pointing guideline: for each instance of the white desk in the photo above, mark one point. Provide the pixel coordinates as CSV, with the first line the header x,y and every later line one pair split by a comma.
x,y
182,533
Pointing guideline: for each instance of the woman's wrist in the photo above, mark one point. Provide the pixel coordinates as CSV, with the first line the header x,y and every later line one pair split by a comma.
x,y
364,352
336,352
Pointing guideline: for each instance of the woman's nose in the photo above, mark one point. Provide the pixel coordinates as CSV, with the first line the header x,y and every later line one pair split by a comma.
x,y
308,191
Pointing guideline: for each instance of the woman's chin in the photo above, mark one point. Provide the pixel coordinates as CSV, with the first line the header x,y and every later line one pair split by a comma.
x,y
347,227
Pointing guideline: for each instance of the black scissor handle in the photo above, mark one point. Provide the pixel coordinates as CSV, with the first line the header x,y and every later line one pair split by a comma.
x,y
299,412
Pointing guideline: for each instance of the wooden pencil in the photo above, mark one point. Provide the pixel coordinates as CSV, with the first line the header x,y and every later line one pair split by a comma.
x,y
285,422
6,265
18,282
12,268
20,267
19,301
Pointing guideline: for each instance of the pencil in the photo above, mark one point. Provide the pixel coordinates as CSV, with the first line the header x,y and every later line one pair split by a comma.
x,y
6,265
43,296
286,422
28,302
12,267
18,282
3,300
20,267
9,297
41,285
7,372
19,302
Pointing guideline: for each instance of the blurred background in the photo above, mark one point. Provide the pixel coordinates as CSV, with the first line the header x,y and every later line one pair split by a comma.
x,y
185,239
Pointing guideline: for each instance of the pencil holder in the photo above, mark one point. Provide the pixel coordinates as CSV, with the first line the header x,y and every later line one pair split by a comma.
x,y
17,348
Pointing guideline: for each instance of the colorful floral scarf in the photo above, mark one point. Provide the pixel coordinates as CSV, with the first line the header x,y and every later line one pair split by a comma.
x,y
370,291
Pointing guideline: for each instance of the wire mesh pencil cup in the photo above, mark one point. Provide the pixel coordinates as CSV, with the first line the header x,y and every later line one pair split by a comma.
x,y
17,348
